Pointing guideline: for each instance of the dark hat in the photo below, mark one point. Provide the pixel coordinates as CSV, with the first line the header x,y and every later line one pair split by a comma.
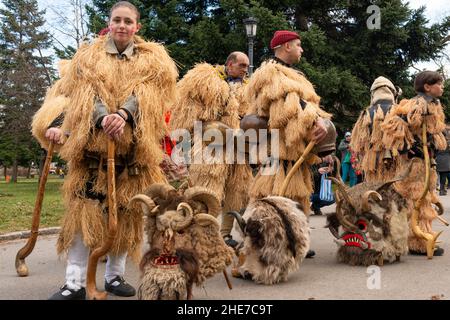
x,y
283,36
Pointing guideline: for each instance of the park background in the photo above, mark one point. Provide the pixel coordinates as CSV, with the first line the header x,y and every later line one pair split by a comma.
x,y
342,57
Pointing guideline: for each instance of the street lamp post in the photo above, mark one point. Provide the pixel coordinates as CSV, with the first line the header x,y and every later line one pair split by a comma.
x,y
250,30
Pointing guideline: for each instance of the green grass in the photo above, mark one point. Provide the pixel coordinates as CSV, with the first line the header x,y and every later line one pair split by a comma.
x,y
17,204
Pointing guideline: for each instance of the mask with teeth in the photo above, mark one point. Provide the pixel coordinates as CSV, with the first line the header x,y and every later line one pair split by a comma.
x,y
370,223
185,245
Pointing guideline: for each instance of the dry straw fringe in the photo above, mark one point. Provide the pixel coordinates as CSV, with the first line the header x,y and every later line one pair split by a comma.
x,y
275,91
92,74
203,95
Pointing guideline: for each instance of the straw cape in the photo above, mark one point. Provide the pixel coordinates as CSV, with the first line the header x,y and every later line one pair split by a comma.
x,y
54,106
402,129
204,95
367,135
150,75
275,91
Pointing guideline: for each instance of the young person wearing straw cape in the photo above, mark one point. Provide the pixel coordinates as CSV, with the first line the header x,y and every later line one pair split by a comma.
x,y
117,88
414,129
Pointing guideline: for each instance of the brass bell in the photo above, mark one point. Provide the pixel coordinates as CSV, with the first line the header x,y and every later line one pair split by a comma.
x,y
133,170
387,155
328,144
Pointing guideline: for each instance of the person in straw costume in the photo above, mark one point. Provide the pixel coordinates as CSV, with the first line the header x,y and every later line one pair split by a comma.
x,y
214,96
283,95
402,134
374,159
116,87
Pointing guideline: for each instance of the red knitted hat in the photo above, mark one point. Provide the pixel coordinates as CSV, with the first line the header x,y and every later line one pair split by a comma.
x,y
283,36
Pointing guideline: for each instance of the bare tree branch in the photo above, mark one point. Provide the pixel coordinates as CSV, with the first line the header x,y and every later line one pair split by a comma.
x,y
71,21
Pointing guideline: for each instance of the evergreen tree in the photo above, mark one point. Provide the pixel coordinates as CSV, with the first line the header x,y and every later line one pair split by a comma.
x,y
342,55
26,74
197,31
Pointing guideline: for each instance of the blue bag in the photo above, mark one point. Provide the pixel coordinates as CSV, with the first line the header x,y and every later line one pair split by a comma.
x,y
326,192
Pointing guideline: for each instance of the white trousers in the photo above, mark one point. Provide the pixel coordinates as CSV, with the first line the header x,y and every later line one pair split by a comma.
x,y
77,260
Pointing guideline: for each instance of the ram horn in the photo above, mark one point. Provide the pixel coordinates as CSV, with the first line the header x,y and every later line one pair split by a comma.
x,y
204,220
208,198
344,221
148,205
188,215
241,222
343,191
365,206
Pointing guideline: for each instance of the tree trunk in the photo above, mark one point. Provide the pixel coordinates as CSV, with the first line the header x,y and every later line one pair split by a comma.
x,y
29,171
302,21
5,171
41,162
15,171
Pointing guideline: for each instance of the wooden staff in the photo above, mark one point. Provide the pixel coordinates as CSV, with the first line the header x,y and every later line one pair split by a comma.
x,y
227,279
297,165
430,238
21,267
91,287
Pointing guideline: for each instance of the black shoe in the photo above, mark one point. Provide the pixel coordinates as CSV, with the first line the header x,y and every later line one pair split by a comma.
x,y
229,241
443,192
310,254
317,212
119,287
68,294
438,252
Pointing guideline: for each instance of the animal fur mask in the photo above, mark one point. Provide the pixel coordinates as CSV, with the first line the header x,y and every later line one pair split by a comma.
x,y
371,223
184,239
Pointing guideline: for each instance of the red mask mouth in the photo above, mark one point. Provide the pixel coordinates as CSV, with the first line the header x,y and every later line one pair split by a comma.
x,y
355,240
165,260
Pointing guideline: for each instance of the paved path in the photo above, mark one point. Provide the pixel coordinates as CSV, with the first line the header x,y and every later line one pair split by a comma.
x,y
322,277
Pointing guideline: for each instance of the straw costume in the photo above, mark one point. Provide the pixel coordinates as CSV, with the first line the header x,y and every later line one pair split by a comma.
x,y
208,95
374,159
284,96
95,83
402,135
51,113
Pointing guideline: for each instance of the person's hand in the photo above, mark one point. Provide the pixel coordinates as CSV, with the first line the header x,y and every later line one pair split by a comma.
x,y
330,168
54,135
113,125
118,135
319,131
323,170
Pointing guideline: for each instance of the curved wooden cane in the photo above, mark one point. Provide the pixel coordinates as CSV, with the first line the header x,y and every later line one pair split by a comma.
x,y
429,237
91,287
21,267
297,165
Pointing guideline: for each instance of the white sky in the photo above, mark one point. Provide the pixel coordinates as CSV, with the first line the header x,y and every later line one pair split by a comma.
x,y
435,11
